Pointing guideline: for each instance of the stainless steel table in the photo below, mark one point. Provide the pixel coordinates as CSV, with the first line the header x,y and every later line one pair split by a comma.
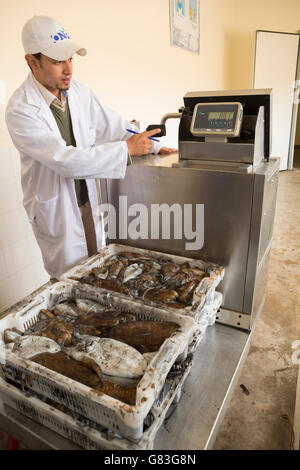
x,y
205,395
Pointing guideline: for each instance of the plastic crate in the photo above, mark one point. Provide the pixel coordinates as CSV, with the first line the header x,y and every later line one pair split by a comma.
x,y
85,433
109,412
203,293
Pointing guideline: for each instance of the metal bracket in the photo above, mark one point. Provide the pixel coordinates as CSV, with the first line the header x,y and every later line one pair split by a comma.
x,y
231,318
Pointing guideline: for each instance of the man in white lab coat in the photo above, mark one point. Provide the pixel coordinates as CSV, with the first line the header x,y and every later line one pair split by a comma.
x,y
66,139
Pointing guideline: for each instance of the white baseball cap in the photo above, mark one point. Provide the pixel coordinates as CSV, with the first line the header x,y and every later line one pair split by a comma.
x,y
44,34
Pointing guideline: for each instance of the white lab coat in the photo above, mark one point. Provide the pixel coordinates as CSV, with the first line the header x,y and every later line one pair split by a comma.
x,y
48,166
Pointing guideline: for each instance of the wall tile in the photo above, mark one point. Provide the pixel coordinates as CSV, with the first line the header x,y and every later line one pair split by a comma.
x,y
16,161
40,276
34,250
22,284
9,196
12,228
17,257
6,294
19,189
3,270
6,161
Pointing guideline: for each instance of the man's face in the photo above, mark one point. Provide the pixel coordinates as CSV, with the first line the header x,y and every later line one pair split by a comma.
x,y
54,75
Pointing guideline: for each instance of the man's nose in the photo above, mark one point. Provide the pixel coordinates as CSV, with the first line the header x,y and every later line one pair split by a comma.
x,y
68,68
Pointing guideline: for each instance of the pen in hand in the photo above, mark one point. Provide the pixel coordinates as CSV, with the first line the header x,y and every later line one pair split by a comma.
x,y
133,132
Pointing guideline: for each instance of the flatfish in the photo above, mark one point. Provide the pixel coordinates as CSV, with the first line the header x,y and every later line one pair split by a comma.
x,y
114,358
59,331
124,393
110,284
65,365
28,346
69,367
145,336
161,295
186,291
101,322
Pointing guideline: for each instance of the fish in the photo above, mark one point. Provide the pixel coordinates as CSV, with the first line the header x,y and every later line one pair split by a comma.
x,y
83,329
44,314
195,273
131,272
185,292
10,335
178,280
126,317
68,309
100,320
133,257
28,346
90,279
101,272
106,318
176,305
63,364
158,280
169,269
124,393
115,359
161,295
113,285
146,279
115,268
58,330
37,328
121,274
55,328
145,336
110,284
88,306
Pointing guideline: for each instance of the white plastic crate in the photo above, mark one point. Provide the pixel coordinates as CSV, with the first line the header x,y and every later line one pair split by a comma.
x,y
85,434
210,310
207,318
204,292
109,412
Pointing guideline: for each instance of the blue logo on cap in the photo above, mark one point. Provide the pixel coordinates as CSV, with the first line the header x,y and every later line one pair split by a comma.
x,y
60,36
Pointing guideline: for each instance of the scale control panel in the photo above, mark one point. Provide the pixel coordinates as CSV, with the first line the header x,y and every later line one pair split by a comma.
x,y
223,119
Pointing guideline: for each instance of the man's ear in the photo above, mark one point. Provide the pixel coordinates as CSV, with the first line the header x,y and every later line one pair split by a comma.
x,y
31,61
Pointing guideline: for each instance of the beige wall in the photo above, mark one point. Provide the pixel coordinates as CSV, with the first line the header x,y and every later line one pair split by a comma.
x,y
133,69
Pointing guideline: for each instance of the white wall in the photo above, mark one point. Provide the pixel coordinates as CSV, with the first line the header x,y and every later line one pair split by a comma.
x,y
133,69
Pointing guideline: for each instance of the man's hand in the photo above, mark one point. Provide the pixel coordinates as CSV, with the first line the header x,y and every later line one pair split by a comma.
x,y
167,151
140,144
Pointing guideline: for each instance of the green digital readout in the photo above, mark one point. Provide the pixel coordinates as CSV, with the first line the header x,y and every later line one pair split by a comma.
x,y
221,115
217,119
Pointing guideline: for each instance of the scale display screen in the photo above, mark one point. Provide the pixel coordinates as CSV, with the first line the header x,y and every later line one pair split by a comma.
x,y
217,119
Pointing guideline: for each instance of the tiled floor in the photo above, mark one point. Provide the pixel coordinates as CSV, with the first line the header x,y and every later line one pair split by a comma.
x,y
262,419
